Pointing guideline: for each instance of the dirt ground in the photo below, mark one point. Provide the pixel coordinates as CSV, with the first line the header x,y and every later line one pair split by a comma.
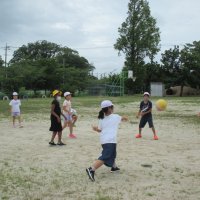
x,y
31,169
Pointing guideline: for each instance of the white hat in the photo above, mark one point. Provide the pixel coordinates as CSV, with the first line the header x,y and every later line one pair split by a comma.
x,y
146,93
67,94
15,94
106,103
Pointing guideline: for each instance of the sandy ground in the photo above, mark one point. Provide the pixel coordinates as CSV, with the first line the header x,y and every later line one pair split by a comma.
x,y
30,169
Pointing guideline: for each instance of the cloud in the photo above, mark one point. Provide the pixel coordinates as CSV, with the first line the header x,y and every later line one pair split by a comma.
x,y
86,25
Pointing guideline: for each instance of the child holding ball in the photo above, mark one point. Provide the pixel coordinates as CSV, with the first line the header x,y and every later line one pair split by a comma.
x,y
145,112
56,126
15,104
67,112
108,125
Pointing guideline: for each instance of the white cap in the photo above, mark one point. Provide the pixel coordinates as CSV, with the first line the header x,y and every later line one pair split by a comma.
x,y
106,103
66,94
146,93
15,94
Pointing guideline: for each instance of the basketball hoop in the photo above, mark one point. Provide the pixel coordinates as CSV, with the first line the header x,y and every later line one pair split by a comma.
x,y
130,75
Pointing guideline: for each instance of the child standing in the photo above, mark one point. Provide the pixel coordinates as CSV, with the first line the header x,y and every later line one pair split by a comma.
x,y
67,112
56,126
15,104
108,125
145,112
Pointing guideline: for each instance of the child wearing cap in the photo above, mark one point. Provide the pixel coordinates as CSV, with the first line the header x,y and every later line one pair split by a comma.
x,y
15,104
56,126
67,112
145,112
108,125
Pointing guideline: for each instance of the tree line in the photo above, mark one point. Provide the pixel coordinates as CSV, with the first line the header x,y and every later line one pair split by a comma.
x,y
45,66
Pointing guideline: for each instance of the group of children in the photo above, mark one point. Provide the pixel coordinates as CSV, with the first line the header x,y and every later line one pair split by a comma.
x,y
69,114
108,125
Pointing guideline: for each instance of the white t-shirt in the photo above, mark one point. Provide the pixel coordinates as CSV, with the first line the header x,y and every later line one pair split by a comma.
x,y
67,104
109,127
15,104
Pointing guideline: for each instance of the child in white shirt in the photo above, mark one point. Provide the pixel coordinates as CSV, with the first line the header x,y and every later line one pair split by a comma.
x,y
15,104
67,112
108,126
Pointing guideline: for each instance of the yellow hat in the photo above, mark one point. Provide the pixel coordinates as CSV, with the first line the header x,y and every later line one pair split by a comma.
x,y
55,92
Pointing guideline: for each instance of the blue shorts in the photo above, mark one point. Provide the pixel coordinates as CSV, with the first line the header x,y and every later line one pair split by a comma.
x,y
68,117
108,154
15,114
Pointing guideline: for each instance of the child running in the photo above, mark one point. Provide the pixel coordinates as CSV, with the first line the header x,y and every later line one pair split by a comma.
x,y
56,126
67,112
15,104
145,112
108,125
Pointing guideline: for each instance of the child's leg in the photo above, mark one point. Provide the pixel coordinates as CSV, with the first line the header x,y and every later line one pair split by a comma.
x,y
53,136
154,131
151,125
97,164
59,137
74,119
20,120
13,120
65,124
114,165
70,127
142,124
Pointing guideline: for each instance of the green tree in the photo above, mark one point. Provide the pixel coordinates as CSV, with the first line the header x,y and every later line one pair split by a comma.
x,y
190,58
139,36
1,62
182,67
45,66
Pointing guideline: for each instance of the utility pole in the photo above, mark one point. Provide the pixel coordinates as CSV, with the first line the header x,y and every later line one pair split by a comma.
x,y
6,54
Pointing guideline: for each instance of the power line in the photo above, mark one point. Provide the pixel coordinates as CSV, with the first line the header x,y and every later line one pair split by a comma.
x,y
102,47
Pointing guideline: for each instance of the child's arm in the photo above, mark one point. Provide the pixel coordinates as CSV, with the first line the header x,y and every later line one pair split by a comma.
x,y
95,128
138,114
124,119
63,115
144,113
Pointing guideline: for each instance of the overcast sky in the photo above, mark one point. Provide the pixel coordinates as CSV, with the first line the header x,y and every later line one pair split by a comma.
x,y
91,26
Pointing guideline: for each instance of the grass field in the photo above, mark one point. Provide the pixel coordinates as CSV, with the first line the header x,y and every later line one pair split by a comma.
x,y
30,169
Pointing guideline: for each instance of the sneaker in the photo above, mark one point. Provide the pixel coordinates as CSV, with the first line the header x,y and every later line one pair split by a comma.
x,y
155,137
138,136
114,169
61,144
72,136
90,173
52,143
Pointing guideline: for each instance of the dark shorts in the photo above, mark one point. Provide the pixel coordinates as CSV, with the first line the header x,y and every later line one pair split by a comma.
x,y
108,154
146,119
